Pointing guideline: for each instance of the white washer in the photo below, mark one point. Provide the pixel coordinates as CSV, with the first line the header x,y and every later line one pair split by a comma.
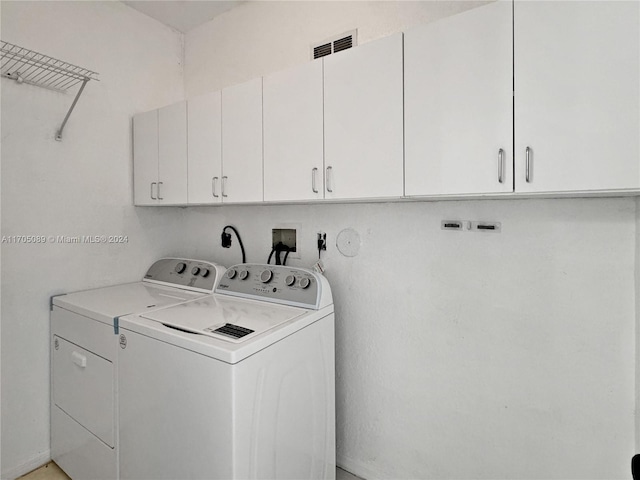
x,y
235,385
84,327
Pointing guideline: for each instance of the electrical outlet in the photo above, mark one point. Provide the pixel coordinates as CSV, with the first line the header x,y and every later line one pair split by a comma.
x,y
322,241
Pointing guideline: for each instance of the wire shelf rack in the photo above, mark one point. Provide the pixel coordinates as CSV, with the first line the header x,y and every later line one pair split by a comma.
x,y
26,66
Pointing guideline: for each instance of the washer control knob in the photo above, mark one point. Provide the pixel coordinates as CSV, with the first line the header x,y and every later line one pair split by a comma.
x,y
266,276
181,267
204,273
231,273
244,274
195,270
290,280
305,282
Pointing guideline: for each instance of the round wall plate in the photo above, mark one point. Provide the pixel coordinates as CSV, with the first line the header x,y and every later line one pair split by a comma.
x,y
348,242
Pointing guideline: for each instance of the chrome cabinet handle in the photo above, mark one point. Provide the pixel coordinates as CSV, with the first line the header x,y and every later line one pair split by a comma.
x,y
159,197
314,171
527,164
329,179
213,187
501,166
151,193
224,184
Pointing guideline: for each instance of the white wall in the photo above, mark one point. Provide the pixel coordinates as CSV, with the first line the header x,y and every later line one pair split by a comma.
x,y
459,355
80,186
262,37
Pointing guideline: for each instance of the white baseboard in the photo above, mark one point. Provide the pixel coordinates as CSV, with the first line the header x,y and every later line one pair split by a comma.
x,y
359,469
26,467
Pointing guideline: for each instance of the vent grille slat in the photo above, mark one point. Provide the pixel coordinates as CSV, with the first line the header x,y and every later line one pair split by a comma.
x,y
342,44
322,50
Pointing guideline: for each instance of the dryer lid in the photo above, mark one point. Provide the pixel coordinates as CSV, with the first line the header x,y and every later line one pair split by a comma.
x,y
104,304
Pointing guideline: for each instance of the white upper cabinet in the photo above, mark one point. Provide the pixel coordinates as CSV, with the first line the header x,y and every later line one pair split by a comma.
x,y
160,156
458,104
204,120
241,179
145,155
525,96
172,154
363,121
577,96
293,137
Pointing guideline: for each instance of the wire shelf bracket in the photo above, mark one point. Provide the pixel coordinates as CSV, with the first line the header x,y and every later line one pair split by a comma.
x,y
26,66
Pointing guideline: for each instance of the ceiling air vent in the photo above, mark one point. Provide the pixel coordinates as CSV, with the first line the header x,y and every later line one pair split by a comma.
x,y
334,44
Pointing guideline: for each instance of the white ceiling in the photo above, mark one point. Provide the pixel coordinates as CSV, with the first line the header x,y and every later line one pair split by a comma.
x,y
183,15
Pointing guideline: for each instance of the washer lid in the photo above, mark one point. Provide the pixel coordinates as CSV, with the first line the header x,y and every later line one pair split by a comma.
x,y
104,304
230,319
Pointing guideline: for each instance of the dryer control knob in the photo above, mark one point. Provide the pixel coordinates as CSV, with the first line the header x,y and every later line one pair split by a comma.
x,y
290,280
231,273
244,274
181,267
266,276
195,270
305,282
204,273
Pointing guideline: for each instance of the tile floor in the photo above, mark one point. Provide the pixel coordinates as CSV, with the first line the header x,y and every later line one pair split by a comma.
x,y
51,471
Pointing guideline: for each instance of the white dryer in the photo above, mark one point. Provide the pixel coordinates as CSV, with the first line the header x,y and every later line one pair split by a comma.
x,y
235,385
84,345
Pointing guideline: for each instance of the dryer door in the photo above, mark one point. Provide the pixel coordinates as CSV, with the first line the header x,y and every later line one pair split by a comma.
x,y
83,388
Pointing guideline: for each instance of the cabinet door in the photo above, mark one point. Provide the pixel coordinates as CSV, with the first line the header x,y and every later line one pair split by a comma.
x,y
458,104
242,142
204,130
145,158
363,121
172,154
293,140
576,95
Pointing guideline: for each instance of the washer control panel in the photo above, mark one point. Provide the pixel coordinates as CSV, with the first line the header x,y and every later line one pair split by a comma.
x,y
279,284
199,275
